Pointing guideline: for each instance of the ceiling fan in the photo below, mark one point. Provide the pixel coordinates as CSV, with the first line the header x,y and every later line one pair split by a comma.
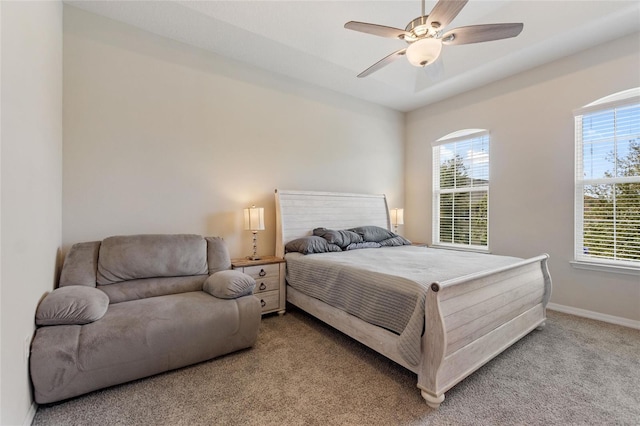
x,y
425,34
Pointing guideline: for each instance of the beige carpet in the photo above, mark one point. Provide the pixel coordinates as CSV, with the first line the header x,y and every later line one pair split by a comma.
x,y
302,372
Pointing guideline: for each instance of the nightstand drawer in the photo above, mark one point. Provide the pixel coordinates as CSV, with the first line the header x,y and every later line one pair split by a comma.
x,y
260,272
267,284
269,300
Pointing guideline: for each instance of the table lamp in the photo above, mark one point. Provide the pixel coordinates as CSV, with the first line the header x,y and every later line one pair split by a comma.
x,y
254,222
397,218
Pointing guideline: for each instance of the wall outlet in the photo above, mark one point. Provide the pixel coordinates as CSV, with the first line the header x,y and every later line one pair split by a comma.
x,y
26,348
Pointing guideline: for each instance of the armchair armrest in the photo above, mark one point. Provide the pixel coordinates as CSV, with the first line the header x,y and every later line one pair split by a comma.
x,y
72,305
229,284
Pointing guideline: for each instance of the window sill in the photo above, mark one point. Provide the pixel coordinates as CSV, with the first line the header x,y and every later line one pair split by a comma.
x,y
603,267
461,248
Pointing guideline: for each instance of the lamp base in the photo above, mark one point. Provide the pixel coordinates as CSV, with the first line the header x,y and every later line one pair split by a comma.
x,y
254,256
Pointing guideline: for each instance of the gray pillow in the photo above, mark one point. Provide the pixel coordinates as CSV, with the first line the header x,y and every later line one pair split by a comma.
x,y
373,233
363,245
72,305
398,240
229,284
309,245
341,238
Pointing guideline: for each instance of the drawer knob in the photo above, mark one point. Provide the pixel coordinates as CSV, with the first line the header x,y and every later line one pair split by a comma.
x,y
262,273
262,303
262,286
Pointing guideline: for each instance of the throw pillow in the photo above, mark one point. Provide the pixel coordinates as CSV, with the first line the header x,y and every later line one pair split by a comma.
x,y
309,245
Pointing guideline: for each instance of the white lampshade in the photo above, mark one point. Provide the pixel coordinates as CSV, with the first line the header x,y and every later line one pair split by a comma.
x,y
254,218
424,51
397,217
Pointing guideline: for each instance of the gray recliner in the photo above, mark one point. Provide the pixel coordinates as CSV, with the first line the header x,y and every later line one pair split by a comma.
x,y
133,306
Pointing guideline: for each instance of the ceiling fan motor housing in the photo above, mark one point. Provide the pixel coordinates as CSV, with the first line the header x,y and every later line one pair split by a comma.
x,y
419,29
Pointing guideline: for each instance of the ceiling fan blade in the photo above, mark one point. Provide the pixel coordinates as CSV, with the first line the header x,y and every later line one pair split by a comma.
x,y
382,62
435,70
480,33
429,75
444,12
378,30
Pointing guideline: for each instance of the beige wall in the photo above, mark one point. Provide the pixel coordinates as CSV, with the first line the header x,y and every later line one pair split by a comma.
x,y
531,194
162,137
31,180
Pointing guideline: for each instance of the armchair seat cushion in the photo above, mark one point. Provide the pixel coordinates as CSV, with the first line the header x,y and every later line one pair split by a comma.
x,y
172,325
139,338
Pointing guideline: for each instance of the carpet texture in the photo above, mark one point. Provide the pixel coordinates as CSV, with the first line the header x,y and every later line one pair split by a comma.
x,y
302,372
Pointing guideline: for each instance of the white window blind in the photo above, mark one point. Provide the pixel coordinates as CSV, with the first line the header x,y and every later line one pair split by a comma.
x,y
607,183
461,190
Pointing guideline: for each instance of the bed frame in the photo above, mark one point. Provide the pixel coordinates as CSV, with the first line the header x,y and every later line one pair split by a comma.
x,y
469,320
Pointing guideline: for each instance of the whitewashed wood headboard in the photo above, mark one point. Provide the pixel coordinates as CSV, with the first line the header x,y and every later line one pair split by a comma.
x,y
299,212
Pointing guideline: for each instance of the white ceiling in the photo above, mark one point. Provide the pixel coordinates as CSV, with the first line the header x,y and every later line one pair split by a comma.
x,y
305,40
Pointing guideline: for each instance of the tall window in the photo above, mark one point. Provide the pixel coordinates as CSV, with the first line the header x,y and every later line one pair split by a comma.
x,y
607,203
461,189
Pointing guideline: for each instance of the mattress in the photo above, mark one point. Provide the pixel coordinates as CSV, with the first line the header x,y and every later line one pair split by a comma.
x,y
385,286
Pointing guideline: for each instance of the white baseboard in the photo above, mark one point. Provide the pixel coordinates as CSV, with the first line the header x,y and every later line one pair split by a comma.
x,y
30,414
594,315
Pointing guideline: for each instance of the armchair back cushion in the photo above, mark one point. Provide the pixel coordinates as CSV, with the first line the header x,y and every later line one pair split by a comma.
x,y
160,264
124,258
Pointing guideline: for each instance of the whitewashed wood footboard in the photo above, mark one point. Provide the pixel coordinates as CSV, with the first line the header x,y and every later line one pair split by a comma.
x,y
468,321
472,319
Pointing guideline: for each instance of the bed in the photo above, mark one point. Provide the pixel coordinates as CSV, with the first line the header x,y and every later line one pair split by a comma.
x,y
464,320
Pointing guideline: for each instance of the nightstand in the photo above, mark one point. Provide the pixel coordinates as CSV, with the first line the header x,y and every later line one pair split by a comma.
x,y
269,273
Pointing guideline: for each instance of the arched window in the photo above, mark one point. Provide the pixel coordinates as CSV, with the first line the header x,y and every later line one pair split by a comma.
x,y
607,181
461,190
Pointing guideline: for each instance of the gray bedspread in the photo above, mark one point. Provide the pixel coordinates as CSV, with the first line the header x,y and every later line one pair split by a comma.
x,y
385,286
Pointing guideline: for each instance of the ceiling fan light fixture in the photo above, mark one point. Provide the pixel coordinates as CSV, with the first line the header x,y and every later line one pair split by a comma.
x,y
424,51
